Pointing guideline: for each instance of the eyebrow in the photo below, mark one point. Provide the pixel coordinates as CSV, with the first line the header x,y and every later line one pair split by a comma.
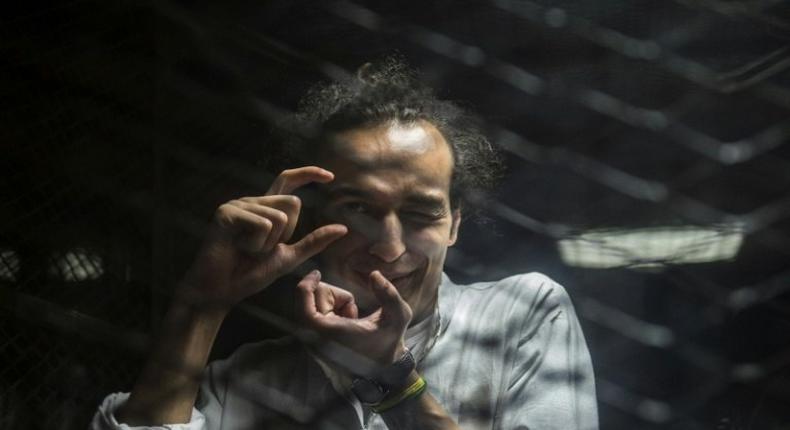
x,y
416,199
347,190
426,200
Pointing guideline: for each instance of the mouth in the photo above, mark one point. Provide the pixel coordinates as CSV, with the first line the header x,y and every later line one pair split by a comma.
x,y
401,281
398,279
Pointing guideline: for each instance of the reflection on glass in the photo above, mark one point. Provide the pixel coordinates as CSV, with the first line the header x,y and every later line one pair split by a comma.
x,y
9,265
652,246
76,265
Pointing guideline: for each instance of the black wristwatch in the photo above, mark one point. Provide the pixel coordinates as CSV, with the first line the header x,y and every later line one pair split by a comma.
x,y
372,391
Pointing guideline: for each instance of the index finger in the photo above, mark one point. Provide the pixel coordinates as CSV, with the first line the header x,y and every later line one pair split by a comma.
x,y
289,180
306,304
391,301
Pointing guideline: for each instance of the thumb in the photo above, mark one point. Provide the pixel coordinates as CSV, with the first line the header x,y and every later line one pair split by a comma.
x,y
392,304
314,243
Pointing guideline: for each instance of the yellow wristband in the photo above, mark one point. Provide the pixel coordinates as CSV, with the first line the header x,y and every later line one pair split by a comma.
x,y
413,390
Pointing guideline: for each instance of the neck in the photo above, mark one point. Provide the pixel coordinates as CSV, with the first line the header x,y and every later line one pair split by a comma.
x,y
425,312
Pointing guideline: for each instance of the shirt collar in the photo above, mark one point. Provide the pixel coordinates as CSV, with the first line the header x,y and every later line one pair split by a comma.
x,y
448,297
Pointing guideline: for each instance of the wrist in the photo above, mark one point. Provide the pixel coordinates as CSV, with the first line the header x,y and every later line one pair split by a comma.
x,y
412,378
390,380
412,390
191,295
400,351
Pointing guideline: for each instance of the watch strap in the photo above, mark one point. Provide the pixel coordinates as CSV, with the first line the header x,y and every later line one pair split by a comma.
x,y
373,389
412,391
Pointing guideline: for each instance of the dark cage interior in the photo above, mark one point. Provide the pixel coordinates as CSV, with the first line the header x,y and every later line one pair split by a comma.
x,y
648,171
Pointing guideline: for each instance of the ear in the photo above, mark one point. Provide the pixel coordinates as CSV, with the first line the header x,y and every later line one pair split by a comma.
x,y
456,224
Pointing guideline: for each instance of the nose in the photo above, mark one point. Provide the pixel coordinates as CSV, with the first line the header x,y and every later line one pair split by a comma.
x,y
388,243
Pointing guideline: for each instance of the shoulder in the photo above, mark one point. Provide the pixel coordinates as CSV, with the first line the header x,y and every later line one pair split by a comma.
x,y
532,289
514,305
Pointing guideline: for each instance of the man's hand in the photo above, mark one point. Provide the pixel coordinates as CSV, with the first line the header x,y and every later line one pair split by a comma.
x,y
246,247
245,251
332,313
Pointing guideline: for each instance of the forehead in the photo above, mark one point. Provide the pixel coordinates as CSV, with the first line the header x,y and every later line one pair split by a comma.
x,y
393,158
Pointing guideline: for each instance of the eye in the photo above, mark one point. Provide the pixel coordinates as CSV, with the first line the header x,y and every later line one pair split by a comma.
x,y
424,217
355,208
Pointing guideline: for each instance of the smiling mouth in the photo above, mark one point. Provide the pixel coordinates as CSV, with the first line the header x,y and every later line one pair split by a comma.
x,y
399,280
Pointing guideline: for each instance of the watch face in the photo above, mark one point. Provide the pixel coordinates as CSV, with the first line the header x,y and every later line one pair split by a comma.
x,y
367,391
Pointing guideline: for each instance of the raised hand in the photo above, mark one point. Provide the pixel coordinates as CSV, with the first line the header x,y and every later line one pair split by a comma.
x,y
246,247
331,312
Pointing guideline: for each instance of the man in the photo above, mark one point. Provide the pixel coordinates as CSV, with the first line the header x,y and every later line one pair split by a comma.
x,y
391,342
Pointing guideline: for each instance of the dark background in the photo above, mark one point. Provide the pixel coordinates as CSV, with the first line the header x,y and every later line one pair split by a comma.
x,y
125,123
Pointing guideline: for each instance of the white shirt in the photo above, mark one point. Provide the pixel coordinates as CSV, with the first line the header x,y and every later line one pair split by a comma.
x,y
509,355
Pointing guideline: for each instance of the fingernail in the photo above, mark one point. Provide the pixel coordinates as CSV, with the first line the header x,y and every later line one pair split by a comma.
x,y
315,274
376,275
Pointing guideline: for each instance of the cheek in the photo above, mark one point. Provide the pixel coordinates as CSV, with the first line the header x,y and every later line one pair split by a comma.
x,y
428,242
361,225
342,248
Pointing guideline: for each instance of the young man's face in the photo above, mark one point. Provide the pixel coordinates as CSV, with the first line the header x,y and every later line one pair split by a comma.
x,y
392,191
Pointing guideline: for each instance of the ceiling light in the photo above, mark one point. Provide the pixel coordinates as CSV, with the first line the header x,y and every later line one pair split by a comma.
x,y
9,265
76,265
651,247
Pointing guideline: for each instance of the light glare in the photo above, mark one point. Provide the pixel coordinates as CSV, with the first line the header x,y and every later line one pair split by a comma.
x,y
651,247
77,265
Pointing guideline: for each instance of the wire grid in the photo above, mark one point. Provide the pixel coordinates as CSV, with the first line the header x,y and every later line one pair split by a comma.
x,y
49,379
627,114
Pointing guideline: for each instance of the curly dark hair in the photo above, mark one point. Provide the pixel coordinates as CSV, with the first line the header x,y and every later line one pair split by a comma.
x,y
389,90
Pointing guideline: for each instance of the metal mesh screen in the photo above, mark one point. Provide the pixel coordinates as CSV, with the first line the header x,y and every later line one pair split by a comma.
x,y
648,172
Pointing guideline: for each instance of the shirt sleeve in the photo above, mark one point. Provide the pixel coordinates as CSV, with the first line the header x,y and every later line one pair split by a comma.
x,y
207,415
551,382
